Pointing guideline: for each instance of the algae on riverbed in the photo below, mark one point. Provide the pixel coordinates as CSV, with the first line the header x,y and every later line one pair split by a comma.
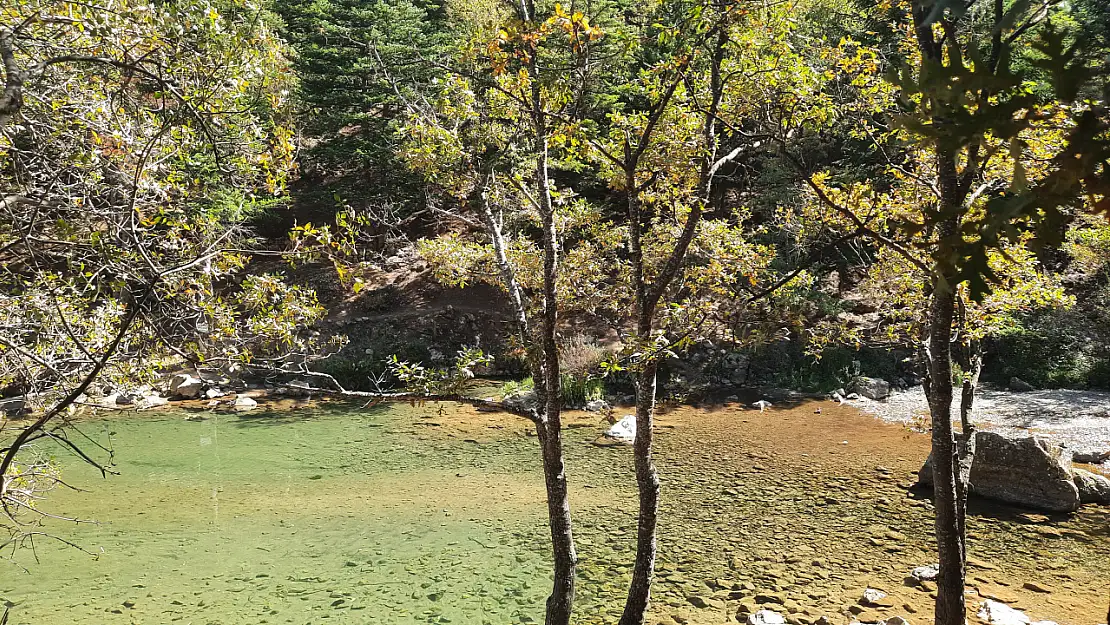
x,y
435,514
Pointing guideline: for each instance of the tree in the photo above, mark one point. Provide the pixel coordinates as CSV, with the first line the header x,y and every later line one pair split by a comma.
x,y
135,147
486,139
982,165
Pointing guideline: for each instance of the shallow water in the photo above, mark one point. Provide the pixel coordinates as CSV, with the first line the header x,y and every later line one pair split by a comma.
x,y
415,515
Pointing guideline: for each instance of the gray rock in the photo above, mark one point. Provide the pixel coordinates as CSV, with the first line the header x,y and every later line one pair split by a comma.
x,y
1019,385
185,386
13,405
597,405
871,388
1024,471
244,403
125,399
1093,488
896,620
1090,457
926,573
521,401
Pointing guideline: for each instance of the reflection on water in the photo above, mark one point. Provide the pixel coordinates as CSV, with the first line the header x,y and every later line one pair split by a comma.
x,y
417,515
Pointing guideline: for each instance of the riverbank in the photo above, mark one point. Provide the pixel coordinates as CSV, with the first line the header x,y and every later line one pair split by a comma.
x,y
1079,420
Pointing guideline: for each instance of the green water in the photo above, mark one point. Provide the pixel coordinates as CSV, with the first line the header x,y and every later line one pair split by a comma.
x,y
258,518
344,515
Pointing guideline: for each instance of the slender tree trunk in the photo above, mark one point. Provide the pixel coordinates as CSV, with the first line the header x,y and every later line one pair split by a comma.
x,y
647,300
561,600
950,545
647,480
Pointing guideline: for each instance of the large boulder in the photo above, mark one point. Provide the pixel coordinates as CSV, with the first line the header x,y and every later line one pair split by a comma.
x,y
871,388
185,386
1024,471
623,430
1093,488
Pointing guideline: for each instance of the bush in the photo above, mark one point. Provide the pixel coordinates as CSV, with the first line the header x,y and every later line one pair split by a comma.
x,y
577,390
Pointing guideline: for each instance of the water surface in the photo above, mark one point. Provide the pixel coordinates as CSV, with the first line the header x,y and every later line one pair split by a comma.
x,y
436,514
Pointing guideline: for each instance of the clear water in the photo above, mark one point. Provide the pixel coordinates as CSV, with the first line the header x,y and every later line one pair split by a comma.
x,y
436,514
266,518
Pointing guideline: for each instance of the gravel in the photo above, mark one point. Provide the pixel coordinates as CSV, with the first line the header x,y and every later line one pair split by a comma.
x,y
1080,420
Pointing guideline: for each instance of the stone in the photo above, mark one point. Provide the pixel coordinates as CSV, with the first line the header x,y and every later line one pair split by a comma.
x,y
1035,587
874,597
213,393
185,386
1019,385
597,405
1090,457
698,601
521,401
13,406
997,613
1025,471
871,388
623,430
1093,488
766,617
244,403
896,620
125,399
152,401
926,573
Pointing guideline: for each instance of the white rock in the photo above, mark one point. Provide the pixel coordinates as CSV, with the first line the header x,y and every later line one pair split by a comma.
x,y
766,617
597,405
152,401
244,403
997,613
926,573
213,393
872,596
623,430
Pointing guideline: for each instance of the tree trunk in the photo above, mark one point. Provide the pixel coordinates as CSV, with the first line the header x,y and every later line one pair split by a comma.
x,y
647,479
561,600
946,492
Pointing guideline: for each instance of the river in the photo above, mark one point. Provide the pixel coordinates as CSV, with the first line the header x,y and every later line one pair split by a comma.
x,y
400,514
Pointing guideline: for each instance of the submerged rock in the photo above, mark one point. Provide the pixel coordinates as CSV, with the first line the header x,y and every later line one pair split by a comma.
x,y
623,430
926,573
871,388
1093,488
874,597
998,613
1025,471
